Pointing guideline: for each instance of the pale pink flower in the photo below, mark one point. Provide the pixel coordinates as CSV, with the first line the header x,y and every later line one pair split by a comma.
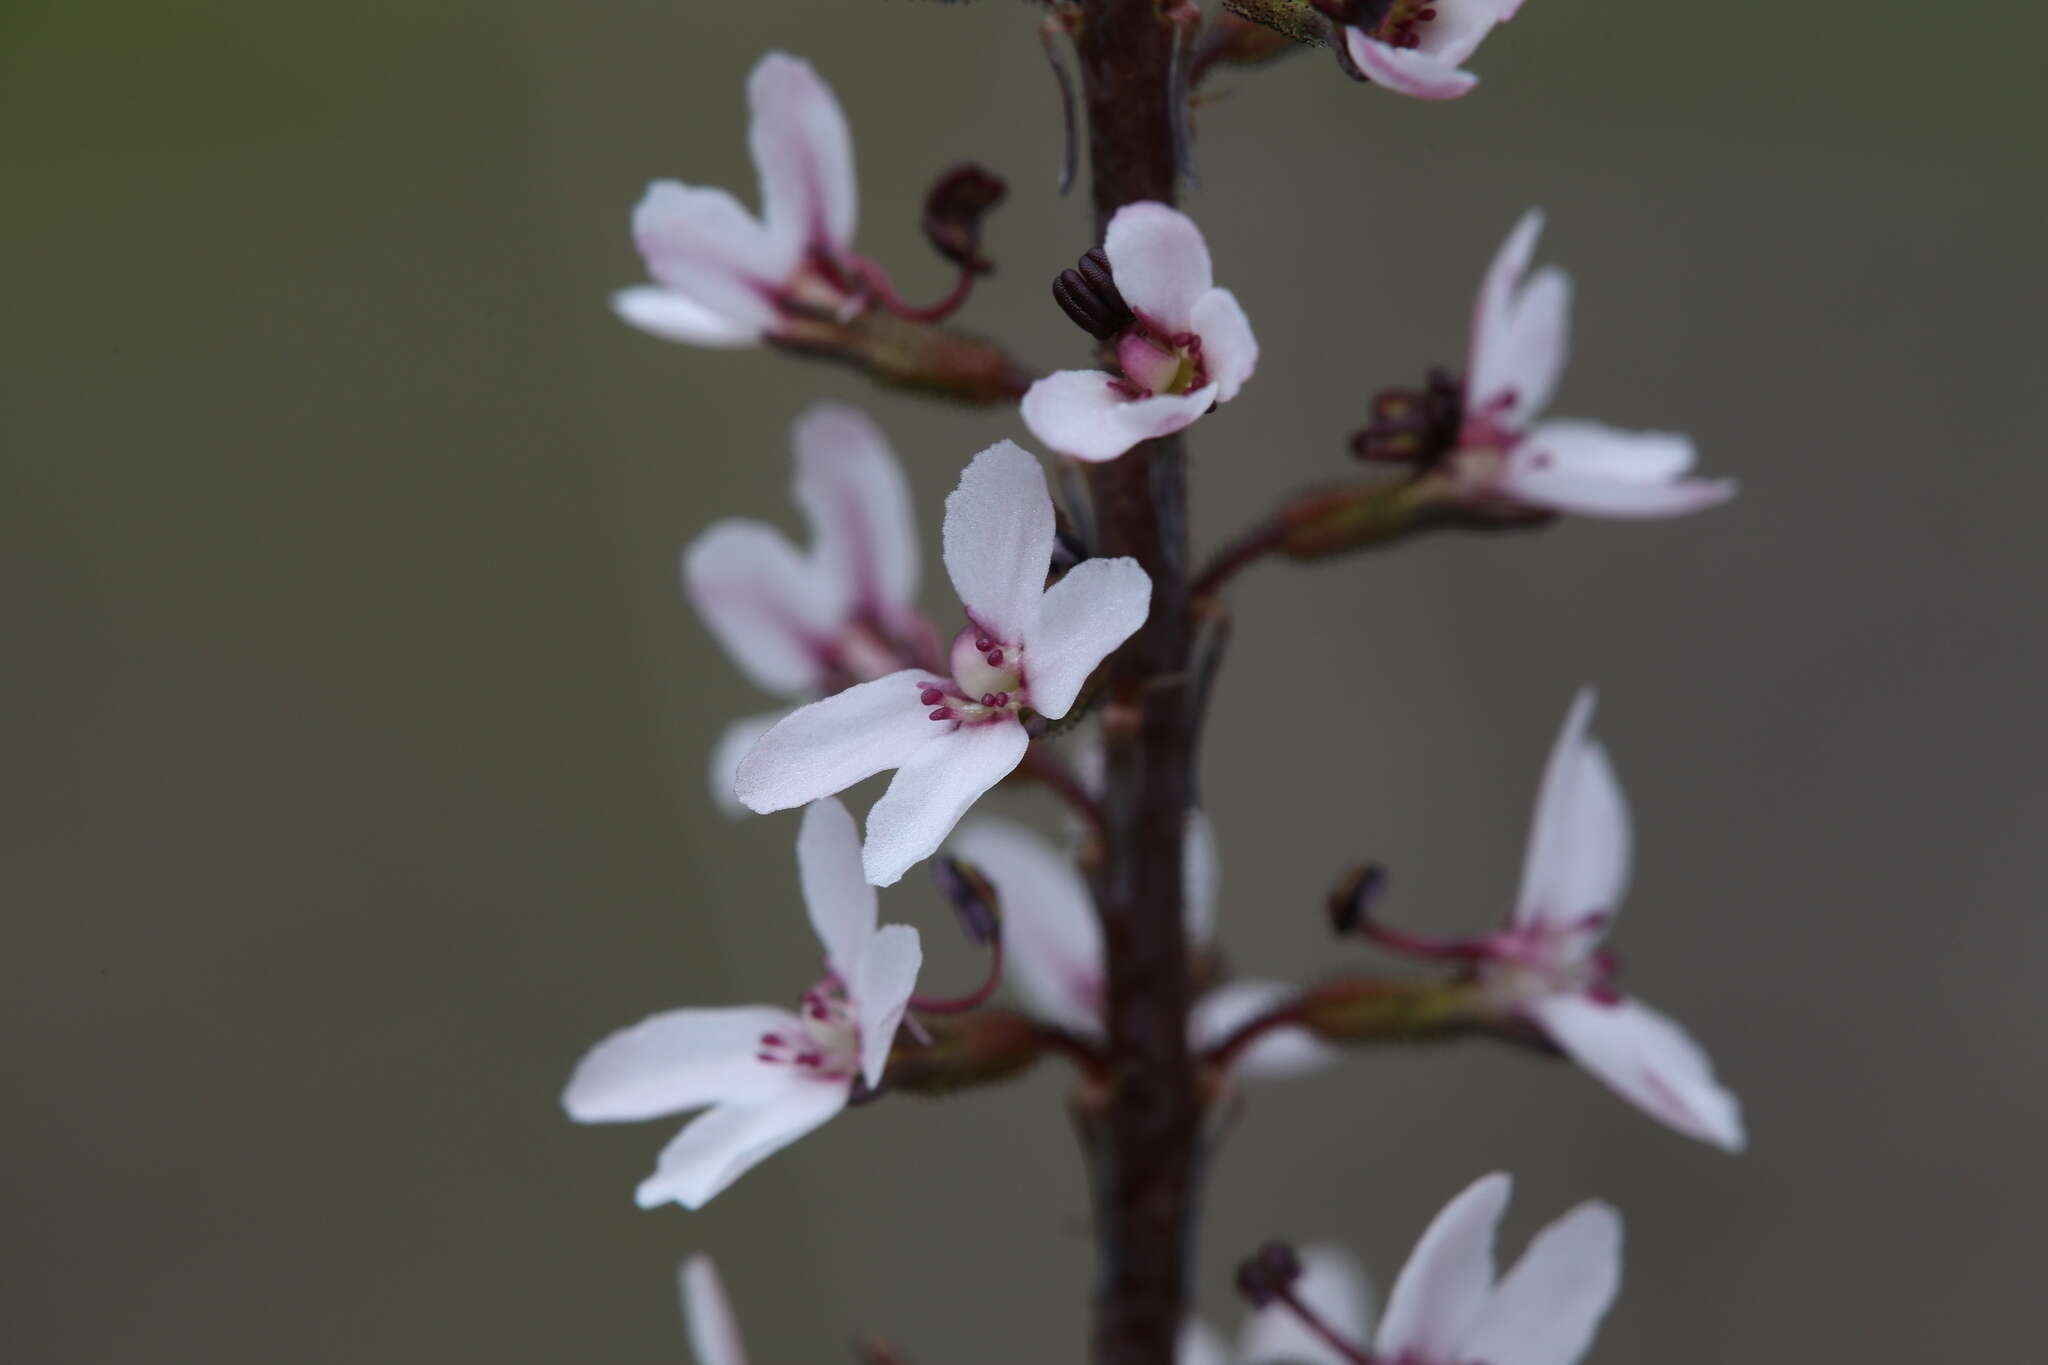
x,y
1025,647
1447,1308
802,623
1548,967
714,1335
723,277
1418,47
1508,457
1330,1285
1188,347
764,1076
1053,953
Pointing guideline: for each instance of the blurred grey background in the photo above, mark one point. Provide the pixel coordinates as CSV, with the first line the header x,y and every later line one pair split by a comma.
x,y
357,724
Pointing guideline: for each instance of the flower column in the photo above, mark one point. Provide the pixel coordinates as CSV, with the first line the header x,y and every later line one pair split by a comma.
x,y
1143,1138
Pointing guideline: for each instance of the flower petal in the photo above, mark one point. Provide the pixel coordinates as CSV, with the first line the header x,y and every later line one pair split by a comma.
x,y
853,491
676,316
1096,607
880,992
804,153
669,1062
1334,1288
1407,70
714,1335
1200,1344
1229,349
998,540
1595,470
1201,879
933,789
721,1145
1276,1056
1160,263
840,902
701,243
1648,1060
773,612
1579,842
824,748
1615,498
1052,941
738,740
1077,413
1547,1308
1443,1287
1595,450
1513,357
1517,361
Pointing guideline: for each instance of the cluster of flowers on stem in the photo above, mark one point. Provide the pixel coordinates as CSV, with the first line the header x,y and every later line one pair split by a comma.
x,y
1001,692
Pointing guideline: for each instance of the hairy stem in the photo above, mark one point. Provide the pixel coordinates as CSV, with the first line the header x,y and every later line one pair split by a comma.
x,y
1142,1136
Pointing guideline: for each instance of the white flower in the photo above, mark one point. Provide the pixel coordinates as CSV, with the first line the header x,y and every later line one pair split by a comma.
x,y
1547,965
714,1335
1025,647
802,624
1188,347
1053,953
1447,1308
1419,46
764,1076
1505,455
725,278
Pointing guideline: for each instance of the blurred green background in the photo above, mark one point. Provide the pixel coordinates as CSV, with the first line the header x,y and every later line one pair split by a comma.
x,y
358,725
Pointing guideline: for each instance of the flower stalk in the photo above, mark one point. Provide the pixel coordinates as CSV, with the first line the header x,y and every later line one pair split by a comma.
x,y
1143,1135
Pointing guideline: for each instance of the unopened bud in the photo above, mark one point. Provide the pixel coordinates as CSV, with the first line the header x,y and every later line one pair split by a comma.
x,y
1352,899
953,210
1268,1273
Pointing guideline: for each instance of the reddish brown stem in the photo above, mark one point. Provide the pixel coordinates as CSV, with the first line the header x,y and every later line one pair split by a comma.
x,y
1142,1140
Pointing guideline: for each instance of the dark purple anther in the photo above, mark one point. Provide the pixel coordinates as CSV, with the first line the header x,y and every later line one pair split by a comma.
x,y
1268,1273
1414,426
1088,294
943,713
953,210
994,658
931,696
983,643
988,699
